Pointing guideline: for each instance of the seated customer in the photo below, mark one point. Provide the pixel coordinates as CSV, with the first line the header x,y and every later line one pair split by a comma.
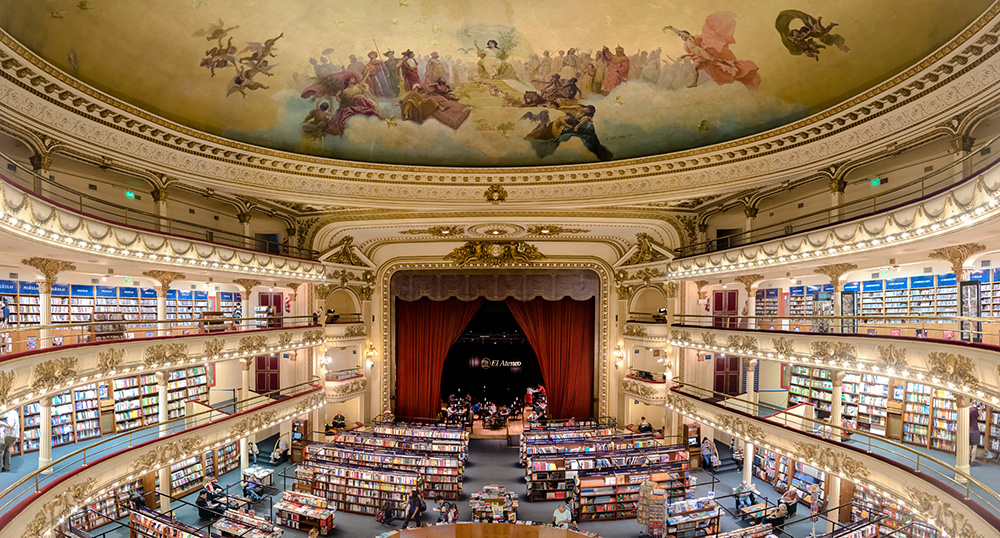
x,y
280,453
207,509
388,513
775,516
744,497
339,421
214,490
791,498
253,489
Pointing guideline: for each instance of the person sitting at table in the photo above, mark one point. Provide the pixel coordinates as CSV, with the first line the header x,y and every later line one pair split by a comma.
x,y
280,453
214,490
207,509
253,489
791,498
775,516
744,497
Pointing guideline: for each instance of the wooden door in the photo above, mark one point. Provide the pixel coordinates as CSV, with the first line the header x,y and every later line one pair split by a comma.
x,y
276,302
724,308
727,375
268,373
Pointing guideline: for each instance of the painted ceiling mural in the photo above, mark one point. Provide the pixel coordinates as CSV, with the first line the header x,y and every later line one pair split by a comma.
x,y
475,83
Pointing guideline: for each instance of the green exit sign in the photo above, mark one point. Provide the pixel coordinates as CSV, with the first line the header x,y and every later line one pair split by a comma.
x,y
128,280
130,194
879,181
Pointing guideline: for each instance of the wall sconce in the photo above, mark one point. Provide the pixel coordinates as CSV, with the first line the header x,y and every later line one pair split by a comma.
x,y
370,364
370,354
619,356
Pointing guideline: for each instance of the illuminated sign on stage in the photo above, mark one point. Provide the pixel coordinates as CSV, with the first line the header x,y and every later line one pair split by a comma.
x,y
496,363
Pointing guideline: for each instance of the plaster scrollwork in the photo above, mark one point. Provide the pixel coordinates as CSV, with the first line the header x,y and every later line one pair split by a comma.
x,y
952,368
355,331
742,342
647,275
6,383
836,351
214,347
638,388
314,334
110,360
891,357
53,372
250,344
354,386
306,404
363,292
634,330
741,428
68,500
708,338
165,455
495,253
252,423
285,339
682,336
836,461
159,354
680,404
324,290
933,508
783,346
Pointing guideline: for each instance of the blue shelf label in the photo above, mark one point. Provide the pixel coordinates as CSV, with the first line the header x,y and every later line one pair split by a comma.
x,y
8,286
80,290
107,291
797,290
759,294
813,289
896,283
773,292
128,293
171,294
828,288
226,296
60,290
852,286
871,285
147,293
924,281
183,295
946,280
980,276
201,296
27,288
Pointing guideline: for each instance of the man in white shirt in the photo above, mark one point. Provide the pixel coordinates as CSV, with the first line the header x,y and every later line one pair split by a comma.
x,y
11,432
562,516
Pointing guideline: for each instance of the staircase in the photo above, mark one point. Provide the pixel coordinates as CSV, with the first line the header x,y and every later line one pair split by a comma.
x,y
727,464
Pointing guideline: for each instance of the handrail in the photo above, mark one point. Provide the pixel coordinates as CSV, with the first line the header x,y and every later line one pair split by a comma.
x,y
862,207
139,435
959,480
80,202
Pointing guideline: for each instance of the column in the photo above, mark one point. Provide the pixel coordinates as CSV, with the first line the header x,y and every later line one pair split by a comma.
x,y
961,437
834,272
40,164
162,400
748,450
751,381
45,433
244,384
832,500
164,489
248,284
837,187
160,208
165,278
837,404
244,218
45,312
245,454
750,225
749,282
962,145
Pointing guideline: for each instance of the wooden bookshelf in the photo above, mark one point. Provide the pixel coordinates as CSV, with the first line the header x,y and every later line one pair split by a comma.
x,y
893,516
691,518
611,494
538,441
353,488
436,447
302,511
443,475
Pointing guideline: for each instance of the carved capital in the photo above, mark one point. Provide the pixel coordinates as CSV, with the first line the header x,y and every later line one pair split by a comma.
x,y
963,143
834,272
750,212
323,291
159,194
164,278
837,185
40,162
48,267
749,280
957,255
243,217
247,284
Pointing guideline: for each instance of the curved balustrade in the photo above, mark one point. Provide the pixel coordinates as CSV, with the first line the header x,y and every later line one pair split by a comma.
x,y
923,484
960,367
39,502
33,375
25,215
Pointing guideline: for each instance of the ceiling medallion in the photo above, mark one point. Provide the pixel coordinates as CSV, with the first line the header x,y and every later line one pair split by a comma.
x,y
440,231
495,229
495,194
553,229
495,253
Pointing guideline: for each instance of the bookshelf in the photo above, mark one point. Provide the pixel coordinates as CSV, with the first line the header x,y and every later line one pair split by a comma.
x,y
81,303
303,511
651,509
893,516
87,412
62,423
804,477
354,488
150,524
443,475
944,421
764,465
238,523
186,475
543,438
690,518
614,494
447,446
105,508
753,531
767,305
147,307
590,441
873,394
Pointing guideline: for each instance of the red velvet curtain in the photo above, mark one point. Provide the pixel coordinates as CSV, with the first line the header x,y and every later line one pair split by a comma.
x,y
425,330
562,335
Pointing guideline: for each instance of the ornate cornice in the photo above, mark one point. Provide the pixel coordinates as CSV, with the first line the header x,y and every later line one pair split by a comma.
x,y
957,255
165,278
835,271
247,284
48,267
50,373
495,253
749,280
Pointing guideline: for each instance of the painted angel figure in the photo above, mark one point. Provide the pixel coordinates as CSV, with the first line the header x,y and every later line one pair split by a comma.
x,y
801,38
710,52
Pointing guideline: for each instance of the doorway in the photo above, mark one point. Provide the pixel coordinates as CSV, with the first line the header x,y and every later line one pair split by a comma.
x,y
274,300
727,375
724,308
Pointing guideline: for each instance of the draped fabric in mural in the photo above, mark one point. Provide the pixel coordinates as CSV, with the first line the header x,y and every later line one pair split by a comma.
x,y
523,286
484,83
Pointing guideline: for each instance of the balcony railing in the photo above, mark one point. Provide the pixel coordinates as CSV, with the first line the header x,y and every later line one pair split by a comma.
x,y
927,185
97,207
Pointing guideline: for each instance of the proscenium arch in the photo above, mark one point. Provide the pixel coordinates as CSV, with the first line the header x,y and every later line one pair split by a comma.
x,y
604,386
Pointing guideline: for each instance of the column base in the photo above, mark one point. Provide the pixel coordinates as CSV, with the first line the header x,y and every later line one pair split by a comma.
x,y
962,469
43,463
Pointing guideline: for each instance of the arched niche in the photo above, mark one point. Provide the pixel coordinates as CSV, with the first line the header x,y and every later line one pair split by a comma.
x,y
648,300
343,301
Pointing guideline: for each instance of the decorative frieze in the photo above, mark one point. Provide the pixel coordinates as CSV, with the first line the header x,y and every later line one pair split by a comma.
x,y
742,342
783,346
165,455
741,428
110,360
632,329
214,347
952,368
836,351
51,373
65,502
941,512
161,354
355,331
495,253
253,423
838,462
251,344
891,357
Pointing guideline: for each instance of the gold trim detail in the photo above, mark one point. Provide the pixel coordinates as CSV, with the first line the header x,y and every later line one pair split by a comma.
x,y
53,372
439,231
708,338
837,351
252,423
891,357
743,343
251,344
110,360
634,330
952,368
741,428
679,403
247,284
931,507
495,194
495,253
355,331
159,354
166,454
354,386
6,383
683,336
214,347
59,508
835,461
783,346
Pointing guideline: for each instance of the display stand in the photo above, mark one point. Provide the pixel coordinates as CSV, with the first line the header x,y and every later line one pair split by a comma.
x,y
300,438
652,508
241,525
494,505
695,517
303,511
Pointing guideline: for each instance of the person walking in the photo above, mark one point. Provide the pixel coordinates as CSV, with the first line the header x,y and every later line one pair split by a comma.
x,y
709,455
11,427
253,450
412,510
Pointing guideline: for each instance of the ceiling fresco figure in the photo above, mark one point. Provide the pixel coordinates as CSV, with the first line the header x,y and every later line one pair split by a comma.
x,y
801,38
710,52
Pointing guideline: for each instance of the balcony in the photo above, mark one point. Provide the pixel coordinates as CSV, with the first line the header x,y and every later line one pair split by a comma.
x,y
344,385
638,386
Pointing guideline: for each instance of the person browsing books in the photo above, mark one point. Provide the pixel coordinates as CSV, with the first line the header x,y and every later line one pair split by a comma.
x,y
562,516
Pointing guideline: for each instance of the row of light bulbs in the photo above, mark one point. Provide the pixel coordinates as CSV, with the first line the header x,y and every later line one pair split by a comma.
x,y
62,387
965,218
844,365
229,440
871,486
56,237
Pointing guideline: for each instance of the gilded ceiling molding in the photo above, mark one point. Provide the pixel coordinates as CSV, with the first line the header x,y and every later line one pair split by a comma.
x,y
647,275
54,372
164,278
49,268
343,253
553,229
648,251
957,255
495,253
248,284
939,511
749,280
891,357
6,383
952,368
495,194
719,165
110,361
53,512
836,351
437,231
252,423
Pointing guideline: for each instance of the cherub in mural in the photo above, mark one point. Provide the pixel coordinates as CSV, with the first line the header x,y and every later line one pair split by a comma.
x,y
579,122
492,64
242,82
219,56
257,60
800,39
344,88
710,52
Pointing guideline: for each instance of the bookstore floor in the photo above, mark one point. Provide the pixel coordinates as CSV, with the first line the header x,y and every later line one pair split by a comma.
x,y
490,462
